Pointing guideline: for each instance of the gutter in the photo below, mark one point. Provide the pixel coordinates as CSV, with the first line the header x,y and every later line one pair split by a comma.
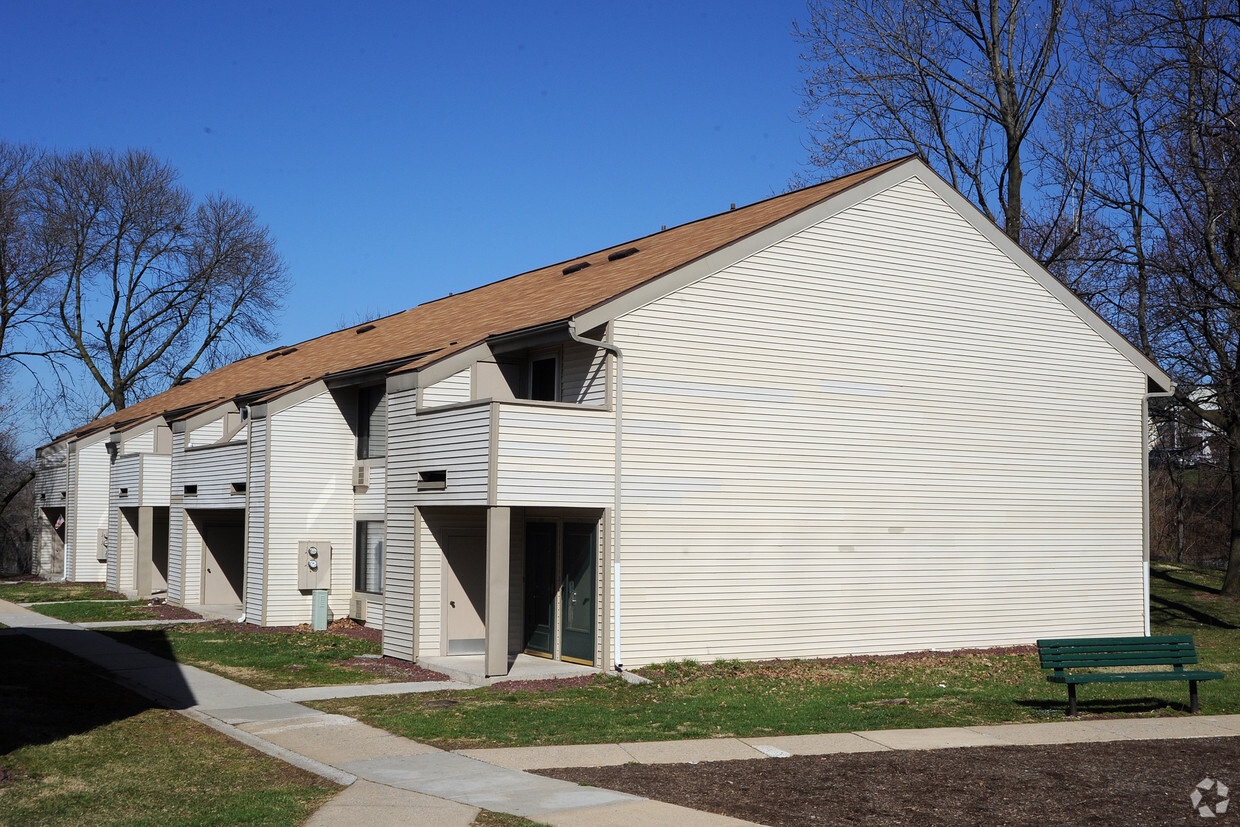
x,y
1145,492
615,567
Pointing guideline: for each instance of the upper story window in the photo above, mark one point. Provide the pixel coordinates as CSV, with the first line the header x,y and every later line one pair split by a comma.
x,y
544,375
371,422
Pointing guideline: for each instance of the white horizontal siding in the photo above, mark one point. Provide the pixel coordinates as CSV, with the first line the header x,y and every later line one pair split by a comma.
x,y
875,436
374,615
141,444
584,375
451,391
457,441
51,477
400,563
126,477
555,456
311,452
155,482
92,467
256,523
207,434
371,501
214,470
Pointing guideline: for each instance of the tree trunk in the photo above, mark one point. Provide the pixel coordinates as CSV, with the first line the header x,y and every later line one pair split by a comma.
x,y
1231,582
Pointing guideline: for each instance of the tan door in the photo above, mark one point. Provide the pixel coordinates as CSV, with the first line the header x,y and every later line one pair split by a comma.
x,y
464,594
223,557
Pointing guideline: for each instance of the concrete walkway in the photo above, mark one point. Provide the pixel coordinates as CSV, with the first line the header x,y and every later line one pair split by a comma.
x,y
393,780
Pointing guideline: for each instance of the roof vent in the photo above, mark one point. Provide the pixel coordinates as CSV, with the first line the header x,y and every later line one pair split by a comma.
x,y
625,253
364,328
284,352
573,268
185,380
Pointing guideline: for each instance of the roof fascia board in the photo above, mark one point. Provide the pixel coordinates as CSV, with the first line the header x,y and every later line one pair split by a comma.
x,y
743,248
296,397
911,168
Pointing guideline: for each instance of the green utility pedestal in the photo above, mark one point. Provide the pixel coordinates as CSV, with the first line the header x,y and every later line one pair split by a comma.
x,y
318,610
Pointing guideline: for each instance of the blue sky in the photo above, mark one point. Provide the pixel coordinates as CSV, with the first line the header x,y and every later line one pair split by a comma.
x,y
402,151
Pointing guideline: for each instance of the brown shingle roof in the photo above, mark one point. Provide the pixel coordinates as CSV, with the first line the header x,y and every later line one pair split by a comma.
x,y
436,329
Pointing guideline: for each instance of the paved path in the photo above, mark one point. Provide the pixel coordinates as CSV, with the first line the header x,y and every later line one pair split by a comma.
x,y
393,780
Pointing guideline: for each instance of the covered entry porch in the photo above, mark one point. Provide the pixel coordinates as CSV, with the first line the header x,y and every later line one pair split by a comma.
x,y
501,583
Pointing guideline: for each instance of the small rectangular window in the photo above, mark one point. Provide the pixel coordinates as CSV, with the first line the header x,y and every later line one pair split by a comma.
x,y
368,557
545,379
432,480
191,490
238,487
124,492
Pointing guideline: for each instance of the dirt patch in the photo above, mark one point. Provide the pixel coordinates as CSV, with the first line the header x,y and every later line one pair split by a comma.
x,y
401,670
549,685
162,611
344,626
1121,782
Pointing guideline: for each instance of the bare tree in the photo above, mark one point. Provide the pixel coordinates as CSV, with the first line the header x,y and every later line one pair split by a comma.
x,y
152,287
26,263
963,85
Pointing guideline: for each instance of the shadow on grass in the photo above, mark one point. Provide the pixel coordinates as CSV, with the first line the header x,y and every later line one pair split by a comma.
x,y
1165,611
48,694
1109,706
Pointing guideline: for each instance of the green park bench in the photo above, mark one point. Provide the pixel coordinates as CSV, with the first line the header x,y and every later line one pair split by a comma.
x,y
1072,657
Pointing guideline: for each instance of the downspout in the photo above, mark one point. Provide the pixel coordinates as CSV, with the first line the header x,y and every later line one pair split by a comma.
x,y
1145,492
615,562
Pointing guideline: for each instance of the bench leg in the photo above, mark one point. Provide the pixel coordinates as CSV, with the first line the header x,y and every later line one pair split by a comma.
x,y
1071,700
1192,697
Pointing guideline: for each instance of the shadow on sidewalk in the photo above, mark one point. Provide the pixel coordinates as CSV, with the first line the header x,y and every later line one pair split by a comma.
x,y
47,694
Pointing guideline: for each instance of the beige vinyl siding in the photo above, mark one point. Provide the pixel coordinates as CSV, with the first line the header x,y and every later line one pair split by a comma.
x,y
256,523
879,435
206,434
555,456
126,475
583,375
401,526
214,470
51,476
451,391
178,550
155,480
139,444
374,614
92,468
370,502
456,440
51,487
311,452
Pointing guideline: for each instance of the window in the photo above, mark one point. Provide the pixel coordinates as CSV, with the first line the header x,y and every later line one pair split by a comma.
x,y
368,557
545,379
371,422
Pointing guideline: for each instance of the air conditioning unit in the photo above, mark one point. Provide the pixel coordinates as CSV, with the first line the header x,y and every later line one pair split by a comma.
x,y
357,609
361,477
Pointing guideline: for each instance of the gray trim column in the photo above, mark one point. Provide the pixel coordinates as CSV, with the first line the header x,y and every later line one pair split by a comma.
x,y
143,560
499,523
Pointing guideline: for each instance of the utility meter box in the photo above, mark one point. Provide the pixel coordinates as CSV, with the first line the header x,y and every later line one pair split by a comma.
x,y
314,568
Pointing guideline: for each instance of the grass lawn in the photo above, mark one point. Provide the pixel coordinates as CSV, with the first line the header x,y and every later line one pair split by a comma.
x,y
44,592
96,612
77,749
732,698
261,658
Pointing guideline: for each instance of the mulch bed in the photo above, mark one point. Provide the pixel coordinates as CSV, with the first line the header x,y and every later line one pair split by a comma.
x,y
1119,782
162,611
403,670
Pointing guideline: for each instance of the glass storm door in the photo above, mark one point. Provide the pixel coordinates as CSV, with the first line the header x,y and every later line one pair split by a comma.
x,y
540,559
577,593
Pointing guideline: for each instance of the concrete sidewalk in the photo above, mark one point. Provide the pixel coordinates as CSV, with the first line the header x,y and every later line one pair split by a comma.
x,y
393,780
